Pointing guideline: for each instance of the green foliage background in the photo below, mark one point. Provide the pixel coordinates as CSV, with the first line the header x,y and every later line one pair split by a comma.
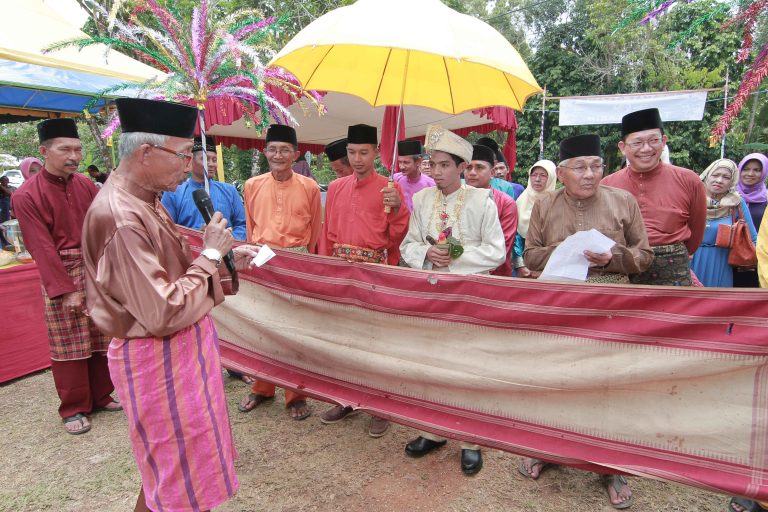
x,y
572,49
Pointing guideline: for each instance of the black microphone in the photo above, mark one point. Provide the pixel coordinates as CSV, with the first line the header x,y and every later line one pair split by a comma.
x,y
204,204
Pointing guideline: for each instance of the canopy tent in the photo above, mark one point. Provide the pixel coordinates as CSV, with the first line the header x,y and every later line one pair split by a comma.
x,y
226,121
34,84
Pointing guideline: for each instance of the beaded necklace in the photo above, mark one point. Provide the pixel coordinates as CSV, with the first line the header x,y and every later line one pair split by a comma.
x,y
443,219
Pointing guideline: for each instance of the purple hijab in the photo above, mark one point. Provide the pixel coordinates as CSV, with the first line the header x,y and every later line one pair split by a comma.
x,y
754,193
26,164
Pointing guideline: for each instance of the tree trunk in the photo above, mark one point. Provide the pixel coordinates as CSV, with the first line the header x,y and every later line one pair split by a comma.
x,y
255,163
106,155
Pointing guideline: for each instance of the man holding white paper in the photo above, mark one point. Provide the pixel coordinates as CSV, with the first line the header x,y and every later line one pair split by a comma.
x,y
583,204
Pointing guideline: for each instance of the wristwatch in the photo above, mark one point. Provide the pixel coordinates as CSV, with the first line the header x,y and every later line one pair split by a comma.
x,y
212,254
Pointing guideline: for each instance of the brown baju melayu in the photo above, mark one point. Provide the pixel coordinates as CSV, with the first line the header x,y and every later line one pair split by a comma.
x,y
145,289
611,211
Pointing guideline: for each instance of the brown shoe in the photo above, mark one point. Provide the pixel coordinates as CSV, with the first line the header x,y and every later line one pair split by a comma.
x,y
336,414
378,426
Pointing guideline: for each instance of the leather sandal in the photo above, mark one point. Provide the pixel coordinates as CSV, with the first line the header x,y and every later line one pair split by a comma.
x,y
298,404
77,417
254,401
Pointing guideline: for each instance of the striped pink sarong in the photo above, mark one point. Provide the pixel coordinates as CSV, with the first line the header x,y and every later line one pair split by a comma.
x,y
172,392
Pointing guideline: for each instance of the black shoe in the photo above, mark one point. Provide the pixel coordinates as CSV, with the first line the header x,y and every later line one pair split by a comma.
x,y
471,461
422,446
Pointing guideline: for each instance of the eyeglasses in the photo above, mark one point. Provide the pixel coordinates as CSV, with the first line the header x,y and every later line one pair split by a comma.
x,y
281,151
581,169
187,157
656,142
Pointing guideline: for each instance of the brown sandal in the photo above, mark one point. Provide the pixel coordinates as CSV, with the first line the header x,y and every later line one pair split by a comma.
x,y
77,417
298,404
253,401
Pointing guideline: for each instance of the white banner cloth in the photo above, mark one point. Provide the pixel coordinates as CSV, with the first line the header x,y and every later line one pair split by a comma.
x,y
673,106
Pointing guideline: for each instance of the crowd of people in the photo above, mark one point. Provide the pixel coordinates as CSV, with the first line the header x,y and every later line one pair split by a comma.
x,y
127,305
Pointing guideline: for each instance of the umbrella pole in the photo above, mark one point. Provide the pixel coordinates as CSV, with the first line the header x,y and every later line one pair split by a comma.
x,y
391,182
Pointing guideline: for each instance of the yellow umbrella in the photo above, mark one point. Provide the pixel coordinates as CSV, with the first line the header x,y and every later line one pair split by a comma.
x,y
409,52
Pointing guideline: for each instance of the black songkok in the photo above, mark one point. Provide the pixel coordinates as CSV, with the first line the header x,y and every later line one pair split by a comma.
x,y
580,145
490,143
210,144
160,117
52,128
647,119
362,134
484,153
336,150
409,148
282,133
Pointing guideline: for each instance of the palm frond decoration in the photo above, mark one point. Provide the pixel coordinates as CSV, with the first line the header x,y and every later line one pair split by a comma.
x,y
202,59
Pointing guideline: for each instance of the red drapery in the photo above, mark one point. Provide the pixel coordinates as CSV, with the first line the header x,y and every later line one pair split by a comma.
x,y
388,131
224,111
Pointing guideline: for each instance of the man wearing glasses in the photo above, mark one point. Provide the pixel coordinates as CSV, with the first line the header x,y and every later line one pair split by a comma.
x,y
147,292
181,207
51,208
582,204
672,200
283,210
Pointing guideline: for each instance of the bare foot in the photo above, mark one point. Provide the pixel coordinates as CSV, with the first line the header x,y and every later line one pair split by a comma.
x,y
532,467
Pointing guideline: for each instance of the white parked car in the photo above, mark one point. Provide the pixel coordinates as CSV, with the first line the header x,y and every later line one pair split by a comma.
x,y
15,178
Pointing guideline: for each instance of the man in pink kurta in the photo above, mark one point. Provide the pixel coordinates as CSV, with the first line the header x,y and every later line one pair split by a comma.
x,y
672,200
51,206
478,174
357,228
410,178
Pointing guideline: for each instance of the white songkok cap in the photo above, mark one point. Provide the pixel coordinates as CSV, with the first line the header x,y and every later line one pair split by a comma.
x,y
440,139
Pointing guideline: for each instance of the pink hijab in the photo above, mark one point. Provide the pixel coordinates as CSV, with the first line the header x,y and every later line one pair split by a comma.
x,y
26,164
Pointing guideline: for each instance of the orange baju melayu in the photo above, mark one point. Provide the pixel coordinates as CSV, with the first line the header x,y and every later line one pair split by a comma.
x,y
285,215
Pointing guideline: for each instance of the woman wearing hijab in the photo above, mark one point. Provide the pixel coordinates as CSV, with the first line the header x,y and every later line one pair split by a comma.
x,y
710,263
29,167
753,170
542,177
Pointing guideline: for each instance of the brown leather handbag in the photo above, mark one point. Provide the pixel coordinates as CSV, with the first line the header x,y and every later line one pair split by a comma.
x,y
737,238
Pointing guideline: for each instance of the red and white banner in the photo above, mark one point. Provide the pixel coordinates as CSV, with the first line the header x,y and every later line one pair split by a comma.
x,y
652,381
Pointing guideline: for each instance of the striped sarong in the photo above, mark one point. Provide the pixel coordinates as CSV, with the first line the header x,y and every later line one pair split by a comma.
x,y
671,267
71,337
172,392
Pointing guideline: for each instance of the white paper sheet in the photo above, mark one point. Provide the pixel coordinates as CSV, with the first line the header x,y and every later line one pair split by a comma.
x,y
568,263
265,254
